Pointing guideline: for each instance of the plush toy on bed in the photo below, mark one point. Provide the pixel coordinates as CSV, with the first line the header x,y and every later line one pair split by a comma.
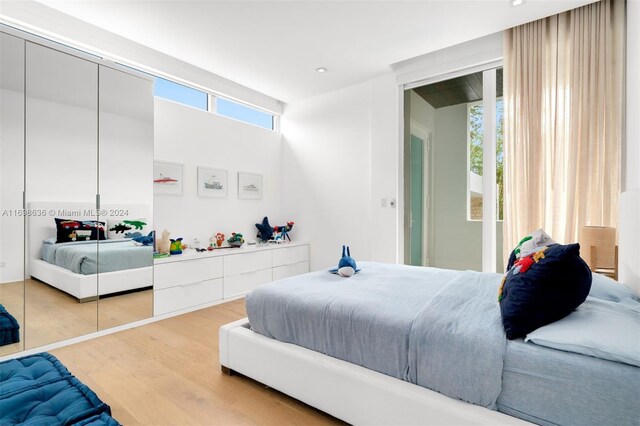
x,y
145,240
346,265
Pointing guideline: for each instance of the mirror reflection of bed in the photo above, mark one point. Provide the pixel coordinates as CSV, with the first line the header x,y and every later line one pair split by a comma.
x,y
86,273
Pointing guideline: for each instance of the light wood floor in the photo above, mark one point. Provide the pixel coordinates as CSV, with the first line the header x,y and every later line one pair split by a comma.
x,y
53,315
167,373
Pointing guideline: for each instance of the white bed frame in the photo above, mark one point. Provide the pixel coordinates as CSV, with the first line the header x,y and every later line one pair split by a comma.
x,y
85,287
347,391
82,287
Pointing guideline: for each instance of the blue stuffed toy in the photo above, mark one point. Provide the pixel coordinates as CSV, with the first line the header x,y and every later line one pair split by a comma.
x,y
346,265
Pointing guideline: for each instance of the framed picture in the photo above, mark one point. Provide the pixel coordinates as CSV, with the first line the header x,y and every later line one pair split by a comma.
x,y
212,182
249,186
167,178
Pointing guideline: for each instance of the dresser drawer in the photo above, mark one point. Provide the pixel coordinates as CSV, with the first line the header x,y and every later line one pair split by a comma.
x,y
289,255
186,272
286,271
240,263
186,295
236,285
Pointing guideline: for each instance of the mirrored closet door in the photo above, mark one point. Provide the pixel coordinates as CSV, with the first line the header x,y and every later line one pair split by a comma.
x,y
12,324
76,240
125,258
61,187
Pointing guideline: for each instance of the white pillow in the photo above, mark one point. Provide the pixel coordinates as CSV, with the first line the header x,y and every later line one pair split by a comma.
x,y
120,229
605,288
598,328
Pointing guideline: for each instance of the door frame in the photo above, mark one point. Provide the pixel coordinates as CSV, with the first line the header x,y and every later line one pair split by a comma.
x,y
421,78
423,133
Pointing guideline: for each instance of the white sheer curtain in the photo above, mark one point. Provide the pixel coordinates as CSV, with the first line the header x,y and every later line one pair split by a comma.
x,y
563,92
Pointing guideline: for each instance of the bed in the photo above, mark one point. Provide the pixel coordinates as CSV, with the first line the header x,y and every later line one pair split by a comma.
x,y
388,344
73,267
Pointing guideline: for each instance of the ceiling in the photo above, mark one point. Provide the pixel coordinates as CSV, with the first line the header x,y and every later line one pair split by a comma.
x,y
274,47
467,88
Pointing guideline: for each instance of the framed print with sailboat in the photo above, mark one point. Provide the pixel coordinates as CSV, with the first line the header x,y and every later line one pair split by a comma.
x,y
167,178
249,186
212,182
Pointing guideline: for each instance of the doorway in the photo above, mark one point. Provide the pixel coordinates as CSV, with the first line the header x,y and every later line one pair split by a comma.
x,y
452,178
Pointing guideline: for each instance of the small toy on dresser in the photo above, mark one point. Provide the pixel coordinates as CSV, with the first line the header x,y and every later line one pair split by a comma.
x,y
236,240
176,246
163,245
266,231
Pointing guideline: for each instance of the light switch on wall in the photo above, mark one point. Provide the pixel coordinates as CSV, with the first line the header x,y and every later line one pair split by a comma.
x,y
383,202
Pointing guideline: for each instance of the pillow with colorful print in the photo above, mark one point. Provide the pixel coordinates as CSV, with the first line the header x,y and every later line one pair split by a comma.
x,y
126,228
71,230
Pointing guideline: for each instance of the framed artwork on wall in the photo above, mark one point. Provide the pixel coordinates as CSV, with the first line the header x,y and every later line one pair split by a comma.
x,y
167,178
212,182
249,186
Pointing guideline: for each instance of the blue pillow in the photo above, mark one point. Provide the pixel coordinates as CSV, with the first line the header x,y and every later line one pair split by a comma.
x,y
542,288
607,289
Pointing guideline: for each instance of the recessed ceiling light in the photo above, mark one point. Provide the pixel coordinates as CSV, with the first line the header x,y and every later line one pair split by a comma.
x,y
516,2
321,69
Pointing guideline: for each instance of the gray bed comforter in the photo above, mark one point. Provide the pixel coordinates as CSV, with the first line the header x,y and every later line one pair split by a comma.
x,y
85,257
422,325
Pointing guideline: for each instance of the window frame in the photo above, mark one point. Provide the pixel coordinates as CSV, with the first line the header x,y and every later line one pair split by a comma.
x,y
212,105
207,98
468,194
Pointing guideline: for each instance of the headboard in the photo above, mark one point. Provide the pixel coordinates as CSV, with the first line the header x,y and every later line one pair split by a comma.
x,y
39,227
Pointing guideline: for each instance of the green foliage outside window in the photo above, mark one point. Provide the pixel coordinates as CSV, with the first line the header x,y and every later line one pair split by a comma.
x,y
475,147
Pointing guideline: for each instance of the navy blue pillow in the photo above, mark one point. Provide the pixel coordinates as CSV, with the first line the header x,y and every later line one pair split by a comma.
x,y
541,289
68,230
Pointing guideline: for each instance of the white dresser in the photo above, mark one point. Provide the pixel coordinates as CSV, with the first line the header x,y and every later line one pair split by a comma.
x,y
192,279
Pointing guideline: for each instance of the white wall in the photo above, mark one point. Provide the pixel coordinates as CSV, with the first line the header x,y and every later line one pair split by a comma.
x,y
327,174
629,224
384,168
199,138
457,242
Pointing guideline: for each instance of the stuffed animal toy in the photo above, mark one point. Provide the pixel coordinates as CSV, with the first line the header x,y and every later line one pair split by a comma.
x,y
219,238
236,240
265,231
347,264
145,240
283,231
176,246
529,245
164,243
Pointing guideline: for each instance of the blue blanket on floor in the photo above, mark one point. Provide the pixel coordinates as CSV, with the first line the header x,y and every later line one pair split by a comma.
x,y
38,389
9,328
